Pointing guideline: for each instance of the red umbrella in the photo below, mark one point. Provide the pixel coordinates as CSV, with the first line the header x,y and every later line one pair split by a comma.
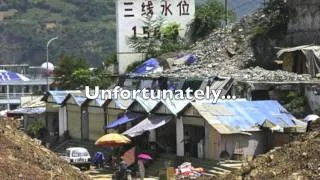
x,y
144,156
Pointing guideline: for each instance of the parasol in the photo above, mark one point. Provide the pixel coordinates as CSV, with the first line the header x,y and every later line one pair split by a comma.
x,y
112,140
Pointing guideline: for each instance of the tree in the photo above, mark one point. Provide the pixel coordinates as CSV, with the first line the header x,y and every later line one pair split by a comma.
x,y
207,17
74,73
296,104
66,67
160,38
148,43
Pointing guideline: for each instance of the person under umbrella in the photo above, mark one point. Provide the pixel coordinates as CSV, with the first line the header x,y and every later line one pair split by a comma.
x,y
141,160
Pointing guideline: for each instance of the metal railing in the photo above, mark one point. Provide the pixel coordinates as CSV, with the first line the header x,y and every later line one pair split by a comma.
x,y
14,95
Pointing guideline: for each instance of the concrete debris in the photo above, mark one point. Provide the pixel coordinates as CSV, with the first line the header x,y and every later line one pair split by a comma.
x,y
227,52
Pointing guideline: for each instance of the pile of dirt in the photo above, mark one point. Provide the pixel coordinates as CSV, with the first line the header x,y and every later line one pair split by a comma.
x,y
297,160
22,157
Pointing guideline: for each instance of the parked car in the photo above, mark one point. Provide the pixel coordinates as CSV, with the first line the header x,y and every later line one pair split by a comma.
x,y
77,156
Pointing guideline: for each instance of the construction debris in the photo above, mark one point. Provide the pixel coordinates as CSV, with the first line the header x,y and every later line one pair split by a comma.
x,y
228,52
24,158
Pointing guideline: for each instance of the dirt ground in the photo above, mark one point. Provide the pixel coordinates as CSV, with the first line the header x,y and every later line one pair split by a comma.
x,y
24,158
298,160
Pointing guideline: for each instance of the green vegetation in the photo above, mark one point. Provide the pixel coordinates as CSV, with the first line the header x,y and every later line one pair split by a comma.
x,y
207,17
86,28
34,128
275,25
296,104
74,73
159,39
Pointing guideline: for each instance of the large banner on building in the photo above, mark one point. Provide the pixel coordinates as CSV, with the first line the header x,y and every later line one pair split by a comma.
x,y
131,15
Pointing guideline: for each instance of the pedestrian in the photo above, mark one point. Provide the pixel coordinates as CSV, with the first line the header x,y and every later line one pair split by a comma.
x,y
141,169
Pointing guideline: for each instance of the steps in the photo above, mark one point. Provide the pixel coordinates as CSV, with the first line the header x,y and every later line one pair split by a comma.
x,y
213,168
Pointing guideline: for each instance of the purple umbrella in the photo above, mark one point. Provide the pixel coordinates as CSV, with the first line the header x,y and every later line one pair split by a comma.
x,y
144,156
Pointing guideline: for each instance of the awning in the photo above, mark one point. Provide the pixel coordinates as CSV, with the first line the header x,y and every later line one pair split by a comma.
x,y
130,116
38,110
148,124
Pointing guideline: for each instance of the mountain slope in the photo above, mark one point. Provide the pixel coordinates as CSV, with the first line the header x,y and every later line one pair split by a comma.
x,y
85,28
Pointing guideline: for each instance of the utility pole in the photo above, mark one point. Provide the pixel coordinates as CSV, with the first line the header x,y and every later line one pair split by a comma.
x,y
48,43
226,11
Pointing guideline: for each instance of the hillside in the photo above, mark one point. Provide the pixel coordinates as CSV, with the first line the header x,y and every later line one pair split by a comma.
x,y
85,28
22,158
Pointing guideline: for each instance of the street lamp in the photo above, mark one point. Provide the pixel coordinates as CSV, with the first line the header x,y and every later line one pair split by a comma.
x,y
48,87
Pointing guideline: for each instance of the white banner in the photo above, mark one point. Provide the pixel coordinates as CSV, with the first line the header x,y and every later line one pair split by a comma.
x,y
131,15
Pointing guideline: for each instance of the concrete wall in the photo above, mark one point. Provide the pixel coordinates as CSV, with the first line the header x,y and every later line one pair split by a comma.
x,y
212,143
248,146
74,121
313,100
304,23
62,120
96,122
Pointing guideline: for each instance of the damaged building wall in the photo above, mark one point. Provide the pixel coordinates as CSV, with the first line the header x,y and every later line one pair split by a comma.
x,y
313,97
304,22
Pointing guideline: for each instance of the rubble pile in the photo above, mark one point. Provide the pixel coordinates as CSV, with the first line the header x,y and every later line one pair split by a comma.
x,y
227,52
24,158
297,160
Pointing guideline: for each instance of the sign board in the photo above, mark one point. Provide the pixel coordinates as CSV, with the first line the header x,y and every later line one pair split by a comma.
x,y
131,15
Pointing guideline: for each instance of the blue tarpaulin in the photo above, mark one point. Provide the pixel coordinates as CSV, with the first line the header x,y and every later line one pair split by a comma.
x,y
248,114
128,117
191,59
147,66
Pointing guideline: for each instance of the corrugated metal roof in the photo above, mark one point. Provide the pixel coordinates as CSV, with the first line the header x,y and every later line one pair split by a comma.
x,y
175,106
147,104
79,99
248,115
211,112
37,102
235,116
59,96
123,103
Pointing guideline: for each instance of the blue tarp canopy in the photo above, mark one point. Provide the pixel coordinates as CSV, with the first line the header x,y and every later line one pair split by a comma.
x,y
148,66
128,117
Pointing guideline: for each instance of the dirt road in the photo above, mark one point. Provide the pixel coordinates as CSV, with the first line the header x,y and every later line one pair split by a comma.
x,y
102,174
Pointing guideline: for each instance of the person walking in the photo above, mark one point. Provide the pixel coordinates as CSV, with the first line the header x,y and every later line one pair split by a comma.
x,y
141,169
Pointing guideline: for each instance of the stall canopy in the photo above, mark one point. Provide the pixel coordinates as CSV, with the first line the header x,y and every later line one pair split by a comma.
x,y
148,124
128,117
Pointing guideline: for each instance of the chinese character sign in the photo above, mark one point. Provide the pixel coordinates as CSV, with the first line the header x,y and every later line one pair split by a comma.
x,y
132,13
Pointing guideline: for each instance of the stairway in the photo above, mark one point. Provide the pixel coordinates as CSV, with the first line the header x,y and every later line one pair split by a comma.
x,y
213,168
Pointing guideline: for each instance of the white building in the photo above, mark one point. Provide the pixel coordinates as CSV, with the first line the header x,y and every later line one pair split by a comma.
x,y
17,81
